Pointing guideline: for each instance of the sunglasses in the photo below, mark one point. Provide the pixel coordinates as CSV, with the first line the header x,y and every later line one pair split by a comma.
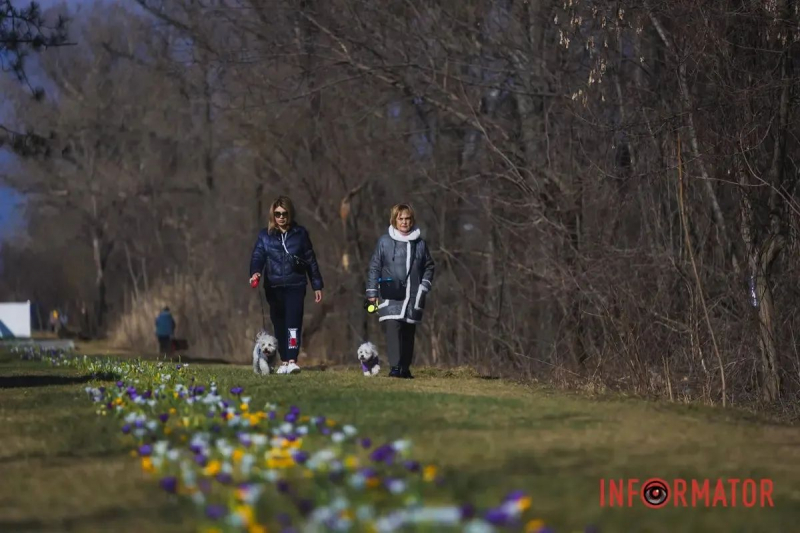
x,y
281,214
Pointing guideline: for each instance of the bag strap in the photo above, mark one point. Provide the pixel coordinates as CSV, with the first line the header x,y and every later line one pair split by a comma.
x,y
413,256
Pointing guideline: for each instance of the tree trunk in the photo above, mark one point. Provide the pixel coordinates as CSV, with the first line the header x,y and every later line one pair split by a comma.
x,y
100,254
771,383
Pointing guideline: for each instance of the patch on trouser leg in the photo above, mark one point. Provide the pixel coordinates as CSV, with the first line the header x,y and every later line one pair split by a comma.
x,y
293,338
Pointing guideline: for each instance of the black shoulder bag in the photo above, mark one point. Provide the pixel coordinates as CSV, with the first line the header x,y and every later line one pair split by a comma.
x,y
299,265
395,289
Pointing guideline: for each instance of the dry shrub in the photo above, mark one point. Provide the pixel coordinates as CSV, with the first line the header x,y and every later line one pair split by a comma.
x,y
206,315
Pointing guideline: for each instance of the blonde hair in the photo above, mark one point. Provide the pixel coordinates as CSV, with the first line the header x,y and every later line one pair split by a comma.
x,y
399,208
284,202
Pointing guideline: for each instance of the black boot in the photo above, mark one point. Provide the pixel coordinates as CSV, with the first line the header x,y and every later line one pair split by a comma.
x,y
395,372
405,372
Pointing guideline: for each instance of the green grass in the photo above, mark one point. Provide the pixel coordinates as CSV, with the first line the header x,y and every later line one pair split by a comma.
x,y
65,469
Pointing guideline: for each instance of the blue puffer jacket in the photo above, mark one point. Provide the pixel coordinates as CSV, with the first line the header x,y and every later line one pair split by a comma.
x,y
165,324
270,258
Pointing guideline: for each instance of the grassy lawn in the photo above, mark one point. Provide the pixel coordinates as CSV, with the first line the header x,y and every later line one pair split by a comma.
x,y
66,469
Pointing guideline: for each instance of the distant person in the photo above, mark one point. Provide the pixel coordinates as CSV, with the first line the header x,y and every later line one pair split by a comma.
x,y
54,320
283,251
165,329
400,273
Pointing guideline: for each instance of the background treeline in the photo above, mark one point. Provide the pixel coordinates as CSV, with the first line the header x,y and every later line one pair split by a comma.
x,y
608,188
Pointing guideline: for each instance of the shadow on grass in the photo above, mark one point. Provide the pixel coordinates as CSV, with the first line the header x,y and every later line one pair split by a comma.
x,y
47,380
49,458
164,514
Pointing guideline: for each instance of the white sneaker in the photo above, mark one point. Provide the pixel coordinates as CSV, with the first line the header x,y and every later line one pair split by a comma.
x,y
282,369
292,368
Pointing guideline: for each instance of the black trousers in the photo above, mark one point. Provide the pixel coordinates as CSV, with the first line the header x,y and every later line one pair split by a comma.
x,y
164,345
400,342
286,312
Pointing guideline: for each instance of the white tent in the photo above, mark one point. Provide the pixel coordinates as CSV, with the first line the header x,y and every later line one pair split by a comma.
x,y
15,320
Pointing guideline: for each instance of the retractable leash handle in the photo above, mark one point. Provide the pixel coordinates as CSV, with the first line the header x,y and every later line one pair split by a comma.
x,y
371,307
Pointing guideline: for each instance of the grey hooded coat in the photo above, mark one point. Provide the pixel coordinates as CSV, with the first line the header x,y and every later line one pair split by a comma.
x,y
392,259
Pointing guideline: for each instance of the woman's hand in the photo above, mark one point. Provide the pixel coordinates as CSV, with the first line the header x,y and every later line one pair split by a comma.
x,y
317,296
254,279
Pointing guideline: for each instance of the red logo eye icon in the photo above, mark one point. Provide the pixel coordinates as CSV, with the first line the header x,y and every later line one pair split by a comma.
x,y
655,493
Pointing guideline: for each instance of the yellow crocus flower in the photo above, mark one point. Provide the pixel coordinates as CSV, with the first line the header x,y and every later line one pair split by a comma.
x,y
429,473
534,525
212,468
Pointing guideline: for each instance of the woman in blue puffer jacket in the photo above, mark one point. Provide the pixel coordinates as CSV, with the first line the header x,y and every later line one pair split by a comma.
x,y
283,253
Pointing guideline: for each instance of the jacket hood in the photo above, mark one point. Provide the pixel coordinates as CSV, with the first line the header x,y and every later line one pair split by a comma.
x,y
396,235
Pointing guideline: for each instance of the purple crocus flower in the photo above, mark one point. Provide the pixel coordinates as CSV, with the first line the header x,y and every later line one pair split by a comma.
x,y
282,485
369,472
300,456
163,417
139,424
109,406
382,453
225,404
294,409
272,415
131,390
245,439
178,367
120,384
366,442
215,511
497,517
467,511
102,390
199,390
169,484
325,431
237,390
126,429
514,495
200,459
305,506
145,450
147,394
224,478
411,466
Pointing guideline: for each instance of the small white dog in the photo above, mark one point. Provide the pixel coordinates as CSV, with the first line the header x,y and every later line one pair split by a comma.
x,y
264,353
368,357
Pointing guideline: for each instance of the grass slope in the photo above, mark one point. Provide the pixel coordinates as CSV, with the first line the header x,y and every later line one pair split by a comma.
x,y
64,468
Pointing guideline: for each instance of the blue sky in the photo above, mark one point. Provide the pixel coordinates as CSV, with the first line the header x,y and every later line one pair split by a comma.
x,y
10,215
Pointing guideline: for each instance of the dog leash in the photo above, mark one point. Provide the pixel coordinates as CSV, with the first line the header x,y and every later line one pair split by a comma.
x,y
263,315
261,281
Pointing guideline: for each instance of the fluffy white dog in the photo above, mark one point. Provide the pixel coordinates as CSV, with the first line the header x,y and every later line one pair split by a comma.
x,y
264,353
368,357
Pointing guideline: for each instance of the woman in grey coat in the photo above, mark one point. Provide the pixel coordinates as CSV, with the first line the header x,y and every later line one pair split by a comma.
x,y
400,275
